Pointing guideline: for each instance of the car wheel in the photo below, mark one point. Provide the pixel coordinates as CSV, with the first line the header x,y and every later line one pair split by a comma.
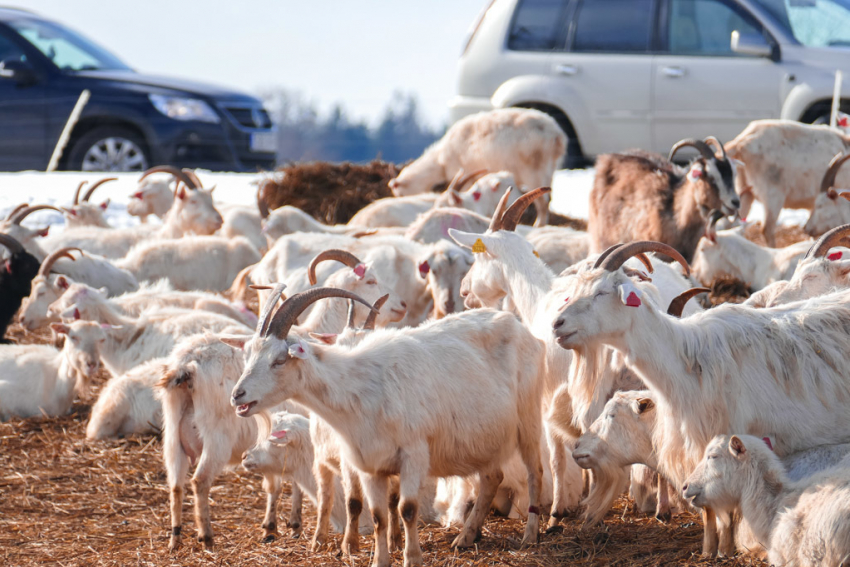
x,y
109,148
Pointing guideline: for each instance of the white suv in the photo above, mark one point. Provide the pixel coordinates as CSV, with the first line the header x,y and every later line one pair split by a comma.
x,y
620,74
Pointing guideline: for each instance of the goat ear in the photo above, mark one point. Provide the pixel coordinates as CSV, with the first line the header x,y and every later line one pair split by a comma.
x,y
60,328
738,163
629,294
42,231
695,172
327,338
736,447
281,437
644,404
237,342
475,242
456,200
62,282
104,205
181,193
298,350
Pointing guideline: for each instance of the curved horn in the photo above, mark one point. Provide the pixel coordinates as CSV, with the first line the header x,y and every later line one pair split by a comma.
x,y
95,185
835,164
712,141
172,170
678,303
196,182
47,264
372,318
644,259
263,207
77,192
828,240
469,179
511,217
496,221
27,211
286,315
14,211
268,308
711,225
12,244
618,257
453,184
351,305
343,256
701,146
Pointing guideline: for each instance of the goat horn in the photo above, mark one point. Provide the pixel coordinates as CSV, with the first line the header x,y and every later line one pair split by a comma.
x,y
711,140
95,185
14,211
828,240
511,217
701,146
644,259
372,317
496,221
453,184
190,173
678,303
27,211
268,308
618,257
351,305
47,265
287,314
469,179
173,171
77,192
829,177
343,256
263,207
12,244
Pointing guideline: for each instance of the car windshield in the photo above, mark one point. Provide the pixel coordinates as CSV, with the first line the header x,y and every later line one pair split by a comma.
x,y
66,49
814,23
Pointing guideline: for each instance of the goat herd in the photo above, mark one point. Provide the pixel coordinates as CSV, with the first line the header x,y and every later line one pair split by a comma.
x,y
374,393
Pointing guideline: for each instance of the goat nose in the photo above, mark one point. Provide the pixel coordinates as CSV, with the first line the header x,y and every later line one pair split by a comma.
x,y
558,324
736,203
238,395
404,304
449,306
685,489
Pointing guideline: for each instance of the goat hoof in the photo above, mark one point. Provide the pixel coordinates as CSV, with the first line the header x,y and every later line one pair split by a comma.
x,y
207,541
664,517
350,547
464,539
269,538
556,529
601,538
316,545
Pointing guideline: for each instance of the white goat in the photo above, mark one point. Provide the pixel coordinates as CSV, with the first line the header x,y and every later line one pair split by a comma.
x,y
434,423
153,196
243,221
729,253
84,213
528,143
782,162
127,405
193,262
289,220
198,427
444,269
747,368
40,380
819,272
805,523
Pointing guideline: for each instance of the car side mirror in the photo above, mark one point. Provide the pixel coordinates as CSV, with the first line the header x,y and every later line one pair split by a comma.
x,y
750,44
18,71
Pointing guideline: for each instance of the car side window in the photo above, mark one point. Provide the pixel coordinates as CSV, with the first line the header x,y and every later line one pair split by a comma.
x,y
538,25
9,51
704,27
613,26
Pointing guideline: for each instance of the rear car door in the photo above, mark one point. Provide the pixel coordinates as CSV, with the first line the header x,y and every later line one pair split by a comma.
x,y
606,72
22,116
700,86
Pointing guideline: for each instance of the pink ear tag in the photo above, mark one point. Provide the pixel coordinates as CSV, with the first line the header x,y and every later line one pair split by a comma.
x,y
360,270
73,212
76,314
476,196
8,266
138,195
567,300
278,434
424,268
843,122
835,256
694,174
767,442
629,295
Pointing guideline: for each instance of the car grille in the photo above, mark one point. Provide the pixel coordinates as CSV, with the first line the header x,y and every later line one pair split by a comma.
x,y
249,116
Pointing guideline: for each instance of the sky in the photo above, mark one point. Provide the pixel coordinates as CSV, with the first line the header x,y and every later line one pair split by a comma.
x,y
355,52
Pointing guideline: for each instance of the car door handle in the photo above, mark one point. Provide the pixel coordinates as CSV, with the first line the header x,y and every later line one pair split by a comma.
x,y
564,69
673,72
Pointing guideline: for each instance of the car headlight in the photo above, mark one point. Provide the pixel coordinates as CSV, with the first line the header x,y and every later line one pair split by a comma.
x,y
185,109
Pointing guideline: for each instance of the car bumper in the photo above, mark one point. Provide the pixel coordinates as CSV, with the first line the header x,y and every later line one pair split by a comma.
x,y
461,106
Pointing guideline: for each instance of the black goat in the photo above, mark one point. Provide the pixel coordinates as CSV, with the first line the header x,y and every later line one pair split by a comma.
x,y
16,275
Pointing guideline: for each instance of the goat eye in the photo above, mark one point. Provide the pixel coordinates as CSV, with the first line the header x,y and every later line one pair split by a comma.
x,y
279,362
371,282
600,294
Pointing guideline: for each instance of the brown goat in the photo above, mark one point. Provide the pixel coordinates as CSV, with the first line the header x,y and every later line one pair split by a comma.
x,y
641,196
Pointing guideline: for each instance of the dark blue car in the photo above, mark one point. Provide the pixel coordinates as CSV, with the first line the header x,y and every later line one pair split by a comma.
x,y
131,122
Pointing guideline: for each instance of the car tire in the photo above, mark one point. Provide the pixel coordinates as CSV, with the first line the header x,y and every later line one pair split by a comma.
x,y
109,148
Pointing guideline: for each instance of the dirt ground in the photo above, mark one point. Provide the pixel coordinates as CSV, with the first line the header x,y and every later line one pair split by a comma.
x,y
66,501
